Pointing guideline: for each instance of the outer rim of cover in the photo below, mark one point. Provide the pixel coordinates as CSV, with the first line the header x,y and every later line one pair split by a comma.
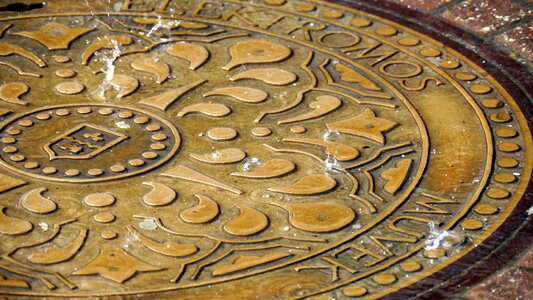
x,y
515,233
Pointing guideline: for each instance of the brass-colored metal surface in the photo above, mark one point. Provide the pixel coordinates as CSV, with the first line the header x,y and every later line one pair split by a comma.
x,y
278,149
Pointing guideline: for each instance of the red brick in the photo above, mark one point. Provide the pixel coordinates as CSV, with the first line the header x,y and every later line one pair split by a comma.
x,y
527,260
486,16
511,283
427,5
520,40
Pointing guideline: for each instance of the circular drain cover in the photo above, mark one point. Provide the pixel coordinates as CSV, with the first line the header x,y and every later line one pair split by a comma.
x,y
284,148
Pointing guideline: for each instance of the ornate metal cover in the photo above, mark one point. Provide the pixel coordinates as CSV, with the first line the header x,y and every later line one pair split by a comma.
x,y
267,148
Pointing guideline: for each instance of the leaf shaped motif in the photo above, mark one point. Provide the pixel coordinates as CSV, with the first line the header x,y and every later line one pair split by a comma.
x,y
396,176
308,185
35,202
322,106
11,92
256,51
160,69
272,168
106,42
224,156
244,94
160,194
196,55
318,217
169,248
350,75
7,49
57,255
206,210
341,152
11,225
125,84
272,76
249,222
209,109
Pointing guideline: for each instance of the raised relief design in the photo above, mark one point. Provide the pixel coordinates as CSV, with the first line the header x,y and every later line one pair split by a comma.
x,y
365,124
246,262
308,185
250,221
270,169
83,141
223,156
11,225
322,106
10,49
157,67
244,94
197,55
11,92
272,76
206,210
57,255
115,264
169,248
256,51
35,202
160,194
318,217
55,36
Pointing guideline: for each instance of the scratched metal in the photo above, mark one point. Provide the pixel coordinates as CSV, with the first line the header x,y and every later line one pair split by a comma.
x,y
271,149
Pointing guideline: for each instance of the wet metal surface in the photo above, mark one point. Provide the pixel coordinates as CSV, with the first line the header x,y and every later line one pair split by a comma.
x,y
278,149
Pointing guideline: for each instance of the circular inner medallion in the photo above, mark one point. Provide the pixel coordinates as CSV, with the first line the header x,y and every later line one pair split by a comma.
x,y
86,143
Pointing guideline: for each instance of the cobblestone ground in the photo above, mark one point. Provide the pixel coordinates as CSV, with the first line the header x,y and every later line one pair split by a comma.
x,y
507,27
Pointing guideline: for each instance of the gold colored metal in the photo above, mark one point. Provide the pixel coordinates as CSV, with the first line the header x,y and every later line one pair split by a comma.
x,y
223,149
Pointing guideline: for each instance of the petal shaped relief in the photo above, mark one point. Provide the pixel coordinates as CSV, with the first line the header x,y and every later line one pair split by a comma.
x,y
322,106
365,124
115,264
57,255
249,222
197,55
11,225
208,109
350,75
106,42
55,36
160,194
7,49
246,262
224,156
256,51
318,217
160,69
272,76
308,185
341,152
270,169
244,94
396,176
186,173
169,248
164,100
206,210
125,84
11,92
35,202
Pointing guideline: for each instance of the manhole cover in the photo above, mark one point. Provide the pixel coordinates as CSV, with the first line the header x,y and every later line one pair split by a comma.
x,y
278,148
